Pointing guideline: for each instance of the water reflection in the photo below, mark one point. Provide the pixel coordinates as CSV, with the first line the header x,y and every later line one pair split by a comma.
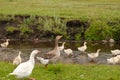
x,y
27,46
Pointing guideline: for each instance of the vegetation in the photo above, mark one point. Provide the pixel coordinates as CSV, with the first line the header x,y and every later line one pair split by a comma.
x,y
99,30
98,19
11,29
67,72
68,8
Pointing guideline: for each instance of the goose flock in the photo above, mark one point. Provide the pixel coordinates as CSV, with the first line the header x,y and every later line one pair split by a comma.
x,y
24,69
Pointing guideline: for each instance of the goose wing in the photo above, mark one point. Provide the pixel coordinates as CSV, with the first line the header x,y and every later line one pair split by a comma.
x,y
49,55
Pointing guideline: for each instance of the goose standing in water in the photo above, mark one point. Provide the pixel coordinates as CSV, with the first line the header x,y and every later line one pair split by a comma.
x,y
115,52
113,60
55,53
5,44
68,52
17,59
111,40
83,48
62,47
24,69
94,55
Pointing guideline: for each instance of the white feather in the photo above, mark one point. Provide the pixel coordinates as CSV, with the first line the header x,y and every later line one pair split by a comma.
x,y
42,60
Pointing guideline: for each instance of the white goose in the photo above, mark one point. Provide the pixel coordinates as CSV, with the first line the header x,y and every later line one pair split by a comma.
x,y
17,59
111,40
62,47
43,61
113,60
5,44
115,52
94,55
68,52
25,69
83,48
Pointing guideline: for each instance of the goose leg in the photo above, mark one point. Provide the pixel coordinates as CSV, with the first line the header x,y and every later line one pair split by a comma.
x,y
46,65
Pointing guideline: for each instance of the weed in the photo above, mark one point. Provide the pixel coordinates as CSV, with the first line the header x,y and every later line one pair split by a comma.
x,y
25,30
11,28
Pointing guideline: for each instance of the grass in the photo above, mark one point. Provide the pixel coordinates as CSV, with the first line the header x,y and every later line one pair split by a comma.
x,y
67,72
63,8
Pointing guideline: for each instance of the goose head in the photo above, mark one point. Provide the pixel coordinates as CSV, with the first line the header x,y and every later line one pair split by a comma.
x,y
58,37
7,40
98,50
56,41
34,52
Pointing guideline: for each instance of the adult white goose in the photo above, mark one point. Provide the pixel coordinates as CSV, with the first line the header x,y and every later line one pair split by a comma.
x,y
62,47
17,59
5,44
68,52
83,48
94,55
43,61
115,52
25,69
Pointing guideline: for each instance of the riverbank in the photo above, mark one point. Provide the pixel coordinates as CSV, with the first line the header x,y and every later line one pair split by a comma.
x,y
75,20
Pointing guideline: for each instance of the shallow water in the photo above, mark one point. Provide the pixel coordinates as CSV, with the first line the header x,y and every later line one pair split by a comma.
x,y
8,54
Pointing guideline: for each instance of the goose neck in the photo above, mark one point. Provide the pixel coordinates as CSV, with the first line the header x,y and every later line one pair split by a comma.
x,y
56,44
32,60
98,51
63,44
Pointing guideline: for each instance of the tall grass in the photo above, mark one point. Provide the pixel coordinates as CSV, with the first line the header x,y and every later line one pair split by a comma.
x,y
67,72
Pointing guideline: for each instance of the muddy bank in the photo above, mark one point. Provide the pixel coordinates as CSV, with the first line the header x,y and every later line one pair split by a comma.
x,y
42,27
30,27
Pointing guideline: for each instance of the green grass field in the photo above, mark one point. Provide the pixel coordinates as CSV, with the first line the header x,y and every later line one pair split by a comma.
x,y
103,9
67,72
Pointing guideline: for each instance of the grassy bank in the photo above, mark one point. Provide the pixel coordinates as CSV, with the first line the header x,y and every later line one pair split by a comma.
x,y
74,19
67,72
63,8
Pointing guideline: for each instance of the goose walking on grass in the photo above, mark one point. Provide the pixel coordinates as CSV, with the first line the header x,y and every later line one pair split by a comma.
x,y
43,61
54,54
62,47
115,52
17,59
68,52
5,44
83,48
24,69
